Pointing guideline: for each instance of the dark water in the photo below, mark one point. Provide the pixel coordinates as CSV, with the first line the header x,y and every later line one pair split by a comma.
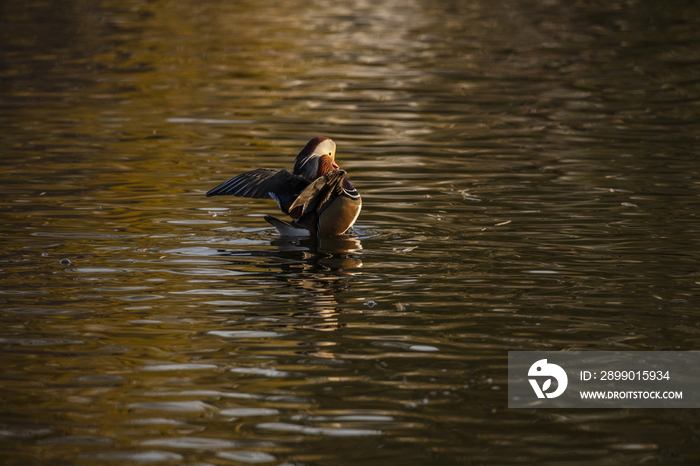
x,y
530,180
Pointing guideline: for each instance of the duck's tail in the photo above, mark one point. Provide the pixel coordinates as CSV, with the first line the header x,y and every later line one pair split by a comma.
x,y
286,228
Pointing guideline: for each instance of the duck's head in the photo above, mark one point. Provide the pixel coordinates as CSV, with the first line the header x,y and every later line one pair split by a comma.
x,y
316,159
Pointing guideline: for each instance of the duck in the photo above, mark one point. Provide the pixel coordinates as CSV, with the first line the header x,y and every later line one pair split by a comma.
x,y
316,193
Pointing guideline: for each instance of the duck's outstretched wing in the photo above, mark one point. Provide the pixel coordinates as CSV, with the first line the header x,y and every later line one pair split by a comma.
x,y
263,183
318,193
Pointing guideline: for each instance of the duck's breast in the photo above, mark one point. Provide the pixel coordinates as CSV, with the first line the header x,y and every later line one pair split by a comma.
x,y
339,216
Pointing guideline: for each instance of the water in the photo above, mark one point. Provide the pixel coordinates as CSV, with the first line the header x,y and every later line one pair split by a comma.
x,y
530,180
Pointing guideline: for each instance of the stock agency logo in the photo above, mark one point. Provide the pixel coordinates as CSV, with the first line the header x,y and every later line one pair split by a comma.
x,y
543,369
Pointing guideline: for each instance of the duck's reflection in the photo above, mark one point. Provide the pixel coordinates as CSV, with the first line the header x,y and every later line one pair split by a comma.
x,y
318,270
333,253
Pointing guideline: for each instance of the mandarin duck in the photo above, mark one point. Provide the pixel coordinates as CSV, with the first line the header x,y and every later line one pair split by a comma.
x,y
316,194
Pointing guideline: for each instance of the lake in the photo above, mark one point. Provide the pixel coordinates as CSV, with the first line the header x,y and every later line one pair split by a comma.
x,y
530,181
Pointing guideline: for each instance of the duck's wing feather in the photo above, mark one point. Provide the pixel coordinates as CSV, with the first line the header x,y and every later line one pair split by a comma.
x,y
315,195
260,183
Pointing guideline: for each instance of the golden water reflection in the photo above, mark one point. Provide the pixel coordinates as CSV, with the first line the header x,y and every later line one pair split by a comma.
x,y
324,271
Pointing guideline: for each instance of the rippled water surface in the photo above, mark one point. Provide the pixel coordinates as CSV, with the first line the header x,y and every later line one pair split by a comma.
x,y
530,178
